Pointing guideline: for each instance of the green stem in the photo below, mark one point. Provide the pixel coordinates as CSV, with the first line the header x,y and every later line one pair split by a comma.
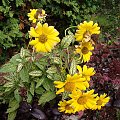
x,y
69,28
68,57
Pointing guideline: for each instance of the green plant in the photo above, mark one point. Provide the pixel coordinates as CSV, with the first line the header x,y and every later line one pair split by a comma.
x,y
35,75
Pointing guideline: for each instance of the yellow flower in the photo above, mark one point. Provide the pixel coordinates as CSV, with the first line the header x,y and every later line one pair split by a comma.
x,y
65,107
36,14
81,101
85,51
85,30
101,101
72,83
86,72
46,37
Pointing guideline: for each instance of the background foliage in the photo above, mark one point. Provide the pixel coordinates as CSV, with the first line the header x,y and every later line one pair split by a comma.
x,y
61,13
14,26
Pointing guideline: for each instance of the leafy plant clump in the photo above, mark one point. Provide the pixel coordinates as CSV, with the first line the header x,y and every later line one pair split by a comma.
x,y
53,71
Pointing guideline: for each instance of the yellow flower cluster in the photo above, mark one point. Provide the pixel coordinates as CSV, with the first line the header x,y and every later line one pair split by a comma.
x,y
77,85
84,36
43,37
79,98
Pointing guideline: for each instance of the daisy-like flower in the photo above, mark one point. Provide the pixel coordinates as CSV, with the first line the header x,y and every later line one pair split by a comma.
x,y
46,37
71,84
85,30
86,72
101,101
81,101
66,107
36,14
85,51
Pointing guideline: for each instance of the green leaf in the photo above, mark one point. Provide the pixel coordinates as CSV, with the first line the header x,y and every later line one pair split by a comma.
x,y
57,60
8,89
24,75
12,115
9,67
17,95
54,76
39,82
66,41
39,90
48,85
32,88
8,78
52,69
14,58
29,97
65,95
46,97
13,105
11,14
36,73
19,2
39,65
73,67
19,67
8,84
24,53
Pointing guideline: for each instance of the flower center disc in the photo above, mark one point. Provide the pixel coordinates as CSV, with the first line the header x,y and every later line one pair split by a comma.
x,y
99,102
82,100
85,50
69,86
68,107
42,38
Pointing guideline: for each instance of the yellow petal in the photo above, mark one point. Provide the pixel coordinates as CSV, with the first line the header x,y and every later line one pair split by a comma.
x,y
33,42
60,91
38,28
33,33
48,47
